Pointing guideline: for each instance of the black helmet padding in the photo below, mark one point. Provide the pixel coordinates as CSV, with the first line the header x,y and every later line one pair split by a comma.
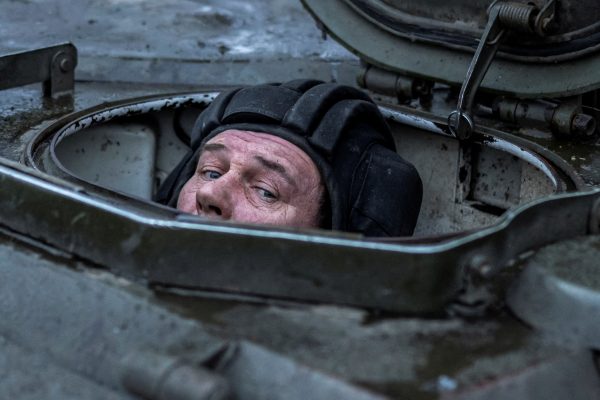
x,y
371,189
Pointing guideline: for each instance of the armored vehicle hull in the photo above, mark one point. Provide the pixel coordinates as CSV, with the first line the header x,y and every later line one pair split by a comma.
x,y
106,294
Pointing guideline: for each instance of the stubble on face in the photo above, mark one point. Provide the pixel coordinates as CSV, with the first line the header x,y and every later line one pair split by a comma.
x,y
254,177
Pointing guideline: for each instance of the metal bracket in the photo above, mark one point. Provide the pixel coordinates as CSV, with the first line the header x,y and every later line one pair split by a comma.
x,y
502,16
53,66
544,17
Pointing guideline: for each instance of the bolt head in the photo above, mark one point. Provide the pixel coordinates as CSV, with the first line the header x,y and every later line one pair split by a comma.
x,y
66,64
583,124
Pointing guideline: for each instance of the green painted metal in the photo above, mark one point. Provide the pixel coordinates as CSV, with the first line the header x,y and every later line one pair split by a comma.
x,y
285,263
380,47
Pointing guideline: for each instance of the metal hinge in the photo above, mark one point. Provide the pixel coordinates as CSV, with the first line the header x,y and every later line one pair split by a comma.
x,y
502,17
53,66
391,84
565,118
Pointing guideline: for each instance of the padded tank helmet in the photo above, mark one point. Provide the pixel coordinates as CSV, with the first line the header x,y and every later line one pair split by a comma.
x,y
370,188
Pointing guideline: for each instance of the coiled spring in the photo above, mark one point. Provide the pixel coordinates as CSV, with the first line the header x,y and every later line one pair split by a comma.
x,y
516,16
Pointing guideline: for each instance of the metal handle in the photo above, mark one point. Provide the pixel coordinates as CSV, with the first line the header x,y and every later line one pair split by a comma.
x,y
502,15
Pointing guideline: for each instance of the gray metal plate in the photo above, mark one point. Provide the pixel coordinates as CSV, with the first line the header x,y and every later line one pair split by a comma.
x,y
69,331
559,291
30,375
411,358
117,156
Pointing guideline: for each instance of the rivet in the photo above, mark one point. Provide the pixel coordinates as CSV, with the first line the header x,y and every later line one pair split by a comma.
x,y
65,64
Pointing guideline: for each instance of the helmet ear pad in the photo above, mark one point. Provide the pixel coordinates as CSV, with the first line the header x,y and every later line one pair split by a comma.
x,y
386,194
377,192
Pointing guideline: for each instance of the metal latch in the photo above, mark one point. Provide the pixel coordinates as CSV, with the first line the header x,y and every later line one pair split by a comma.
x,y
502,16
53,66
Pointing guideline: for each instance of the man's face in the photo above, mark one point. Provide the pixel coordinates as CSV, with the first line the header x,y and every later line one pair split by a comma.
x,y
254,177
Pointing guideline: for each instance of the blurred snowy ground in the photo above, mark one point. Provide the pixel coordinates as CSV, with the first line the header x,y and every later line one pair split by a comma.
x,y
209,42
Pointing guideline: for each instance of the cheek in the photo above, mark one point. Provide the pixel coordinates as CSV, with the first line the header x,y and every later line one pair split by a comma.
x,y
245,213
187,198
292,216
246,209
306,212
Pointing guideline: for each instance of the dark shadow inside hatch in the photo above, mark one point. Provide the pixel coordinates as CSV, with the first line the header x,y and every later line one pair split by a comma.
x,y
130,149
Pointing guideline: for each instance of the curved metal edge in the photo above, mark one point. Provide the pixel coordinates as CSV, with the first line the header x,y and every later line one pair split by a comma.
x,y
558,163
114,112
555,306
447,65
529,157
435,124
493,140
138,106
105,112
155,103
464,38
285,263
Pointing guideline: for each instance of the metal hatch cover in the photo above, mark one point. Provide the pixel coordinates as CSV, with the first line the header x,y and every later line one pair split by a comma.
x,y
557,75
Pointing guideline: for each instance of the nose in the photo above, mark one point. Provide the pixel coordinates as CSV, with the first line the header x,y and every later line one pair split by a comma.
x,y
213,199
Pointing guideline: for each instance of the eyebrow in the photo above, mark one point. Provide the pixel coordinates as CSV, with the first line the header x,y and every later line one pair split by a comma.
x,y
213,147
275,167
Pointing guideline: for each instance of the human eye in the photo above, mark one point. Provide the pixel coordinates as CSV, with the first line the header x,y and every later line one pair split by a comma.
x,y
210,174
266,194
